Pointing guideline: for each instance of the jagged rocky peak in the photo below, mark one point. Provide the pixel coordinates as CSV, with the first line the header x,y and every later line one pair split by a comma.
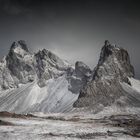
x,y
48,65
114,62
19,62
113,68
50,58
19,47
20,43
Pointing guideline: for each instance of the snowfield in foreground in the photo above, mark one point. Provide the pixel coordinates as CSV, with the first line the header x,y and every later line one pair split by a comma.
x,y
70,127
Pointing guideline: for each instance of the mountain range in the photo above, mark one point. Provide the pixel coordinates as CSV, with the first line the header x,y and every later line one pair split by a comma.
x,y
43,82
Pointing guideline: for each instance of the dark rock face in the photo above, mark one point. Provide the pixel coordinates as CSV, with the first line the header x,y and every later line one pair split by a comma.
x,y
17,67
99,92
20,43
114,62
113,67
79,77
23,45
82,70
48,65
20,62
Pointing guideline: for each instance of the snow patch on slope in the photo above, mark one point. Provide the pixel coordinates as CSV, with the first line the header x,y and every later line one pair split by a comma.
x,y
20,51
135,84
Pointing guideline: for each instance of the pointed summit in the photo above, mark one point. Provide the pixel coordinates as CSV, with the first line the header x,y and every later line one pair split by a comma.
x,y
19,44
114,61
20,48
107,43
20,62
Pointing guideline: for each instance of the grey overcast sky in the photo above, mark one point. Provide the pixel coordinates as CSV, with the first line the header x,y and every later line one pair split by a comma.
x,y
73,29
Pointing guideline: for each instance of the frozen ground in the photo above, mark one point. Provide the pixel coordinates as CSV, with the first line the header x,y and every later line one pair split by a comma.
x,y
70,127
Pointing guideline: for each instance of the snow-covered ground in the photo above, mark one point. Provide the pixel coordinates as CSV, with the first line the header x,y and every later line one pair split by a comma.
x,y
71,127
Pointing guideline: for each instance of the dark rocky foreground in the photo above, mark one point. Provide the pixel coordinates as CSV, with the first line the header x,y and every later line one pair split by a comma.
x,y
14,115
130,123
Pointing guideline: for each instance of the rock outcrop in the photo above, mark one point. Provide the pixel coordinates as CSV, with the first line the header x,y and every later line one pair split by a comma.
x,y
79,77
